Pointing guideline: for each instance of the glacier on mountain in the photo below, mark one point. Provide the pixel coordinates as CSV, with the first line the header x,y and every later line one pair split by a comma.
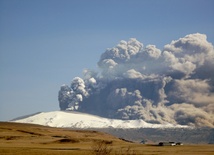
x,y
71,119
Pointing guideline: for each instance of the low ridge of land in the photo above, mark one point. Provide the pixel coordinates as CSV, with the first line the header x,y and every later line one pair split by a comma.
x,y
19,138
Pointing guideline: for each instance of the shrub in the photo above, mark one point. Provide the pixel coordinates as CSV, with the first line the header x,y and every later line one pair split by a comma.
x,y
101,147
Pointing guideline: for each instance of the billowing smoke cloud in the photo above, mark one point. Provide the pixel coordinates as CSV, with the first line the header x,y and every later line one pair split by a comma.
x,y
173,85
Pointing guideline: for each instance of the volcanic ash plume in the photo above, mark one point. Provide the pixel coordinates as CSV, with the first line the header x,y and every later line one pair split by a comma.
x,y
174,85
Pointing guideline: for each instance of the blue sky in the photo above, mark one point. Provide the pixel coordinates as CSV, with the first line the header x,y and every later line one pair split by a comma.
x,y
46,43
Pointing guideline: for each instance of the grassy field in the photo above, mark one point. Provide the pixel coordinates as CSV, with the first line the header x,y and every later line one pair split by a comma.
x,y
19,139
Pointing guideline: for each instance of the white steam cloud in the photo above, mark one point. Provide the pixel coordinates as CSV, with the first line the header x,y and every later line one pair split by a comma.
x,y
173,85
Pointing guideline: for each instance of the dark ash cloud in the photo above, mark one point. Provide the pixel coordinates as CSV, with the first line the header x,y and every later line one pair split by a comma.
x,y
174,85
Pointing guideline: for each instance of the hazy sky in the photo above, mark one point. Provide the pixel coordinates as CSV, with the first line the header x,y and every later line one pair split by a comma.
x,y
46,43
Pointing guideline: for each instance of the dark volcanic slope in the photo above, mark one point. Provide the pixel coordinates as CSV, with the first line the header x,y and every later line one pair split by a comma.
x,y
191,136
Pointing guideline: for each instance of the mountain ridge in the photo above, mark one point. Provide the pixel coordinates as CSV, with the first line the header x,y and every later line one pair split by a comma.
x,y
72,119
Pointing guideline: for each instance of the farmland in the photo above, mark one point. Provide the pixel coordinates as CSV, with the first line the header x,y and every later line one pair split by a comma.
x,y
18,138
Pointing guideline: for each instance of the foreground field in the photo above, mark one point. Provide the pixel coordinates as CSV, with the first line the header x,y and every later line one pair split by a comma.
x,y
19,139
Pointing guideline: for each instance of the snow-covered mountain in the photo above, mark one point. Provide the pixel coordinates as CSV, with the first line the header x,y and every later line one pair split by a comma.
x,y
81,120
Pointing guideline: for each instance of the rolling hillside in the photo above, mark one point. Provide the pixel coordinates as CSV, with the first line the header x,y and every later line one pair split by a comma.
x,y
21,138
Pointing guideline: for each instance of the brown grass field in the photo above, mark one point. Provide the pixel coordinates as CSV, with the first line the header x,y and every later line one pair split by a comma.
x,y
23,139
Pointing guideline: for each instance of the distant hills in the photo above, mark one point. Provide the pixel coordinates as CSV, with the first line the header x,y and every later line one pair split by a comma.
x,y
131,130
